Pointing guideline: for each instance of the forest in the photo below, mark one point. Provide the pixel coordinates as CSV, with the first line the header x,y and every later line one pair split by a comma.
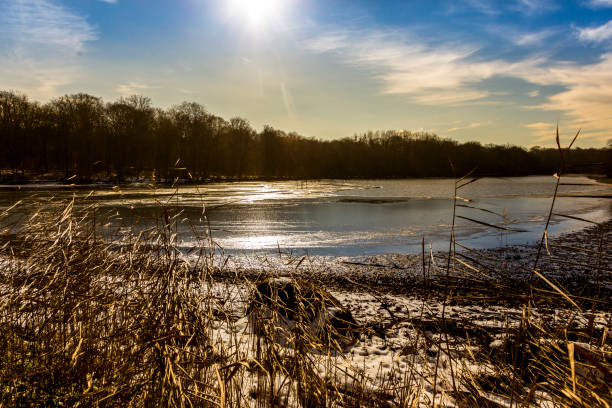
x,y
82,138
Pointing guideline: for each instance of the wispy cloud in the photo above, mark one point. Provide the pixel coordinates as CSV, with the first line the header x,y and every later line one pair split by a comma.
x,y
469,126
534,94
492,8
530,7
545,132
110,1
534,38
600,3
588,96
131,88
34,23
444,75
527,39
429,75
596,34
41,42
329,42
483,6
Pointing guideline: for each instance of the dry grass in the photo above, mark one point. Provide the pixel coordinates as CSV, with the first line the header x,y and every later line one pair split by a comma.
x,y
90,318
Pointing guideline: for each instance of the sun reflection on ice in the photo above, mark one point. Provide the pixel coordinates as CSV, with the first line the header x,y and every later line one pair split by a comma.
x,y
264,192
259,242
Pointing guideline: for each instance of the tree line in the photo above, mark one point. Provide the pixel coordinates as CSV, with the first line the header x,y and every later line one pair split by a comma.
x,y
80,135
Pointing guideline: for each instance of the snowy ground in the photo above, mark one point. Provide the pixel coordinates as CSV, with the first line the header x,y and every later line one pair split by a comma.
x,y
433,334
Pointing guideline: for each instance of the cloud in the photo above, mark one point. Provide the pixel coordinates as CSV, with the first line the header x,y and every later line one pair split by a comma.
x,y
596,34
109,1
404,68
530,7
469,126
429,75
600,3
453,76
41,23
588,97
483,6
329,42
522,38
492,8
38,80
40,45
535,38
131,88
545,132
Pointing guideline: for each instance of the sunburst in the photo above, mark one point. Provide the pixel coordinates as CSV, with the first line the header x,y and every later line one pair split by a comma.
x,y
257,13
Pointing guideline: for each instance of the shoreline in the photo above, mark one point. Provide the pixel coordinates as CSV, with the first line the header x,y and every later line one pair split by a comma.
x,y
407,274
7,182
600,178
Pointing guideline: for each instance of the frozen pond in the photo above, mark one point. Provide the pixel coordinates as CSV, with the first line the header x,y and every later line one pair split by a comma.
x,y
345,218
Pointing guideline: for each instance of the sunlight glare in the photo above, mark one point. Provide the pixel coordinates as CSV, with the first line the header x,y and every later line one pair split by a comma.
x,y
257,13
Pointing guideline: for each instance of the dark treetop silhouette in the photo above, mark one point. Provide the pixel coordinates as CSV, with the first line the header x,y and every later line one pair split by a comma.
x,y
81,135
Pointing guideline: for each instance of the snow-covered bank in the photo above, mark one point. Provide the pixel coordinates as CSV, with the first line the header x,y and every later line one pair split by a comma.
x,y
452,337
569,257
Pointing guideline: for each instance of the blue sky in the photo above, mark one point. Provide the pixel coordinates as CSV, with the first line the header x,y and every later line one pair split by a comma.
x,y
492,71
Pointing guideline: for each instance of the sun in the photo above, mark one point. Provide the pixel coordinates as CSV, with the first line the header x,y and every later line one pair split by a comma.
x,y
257,13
